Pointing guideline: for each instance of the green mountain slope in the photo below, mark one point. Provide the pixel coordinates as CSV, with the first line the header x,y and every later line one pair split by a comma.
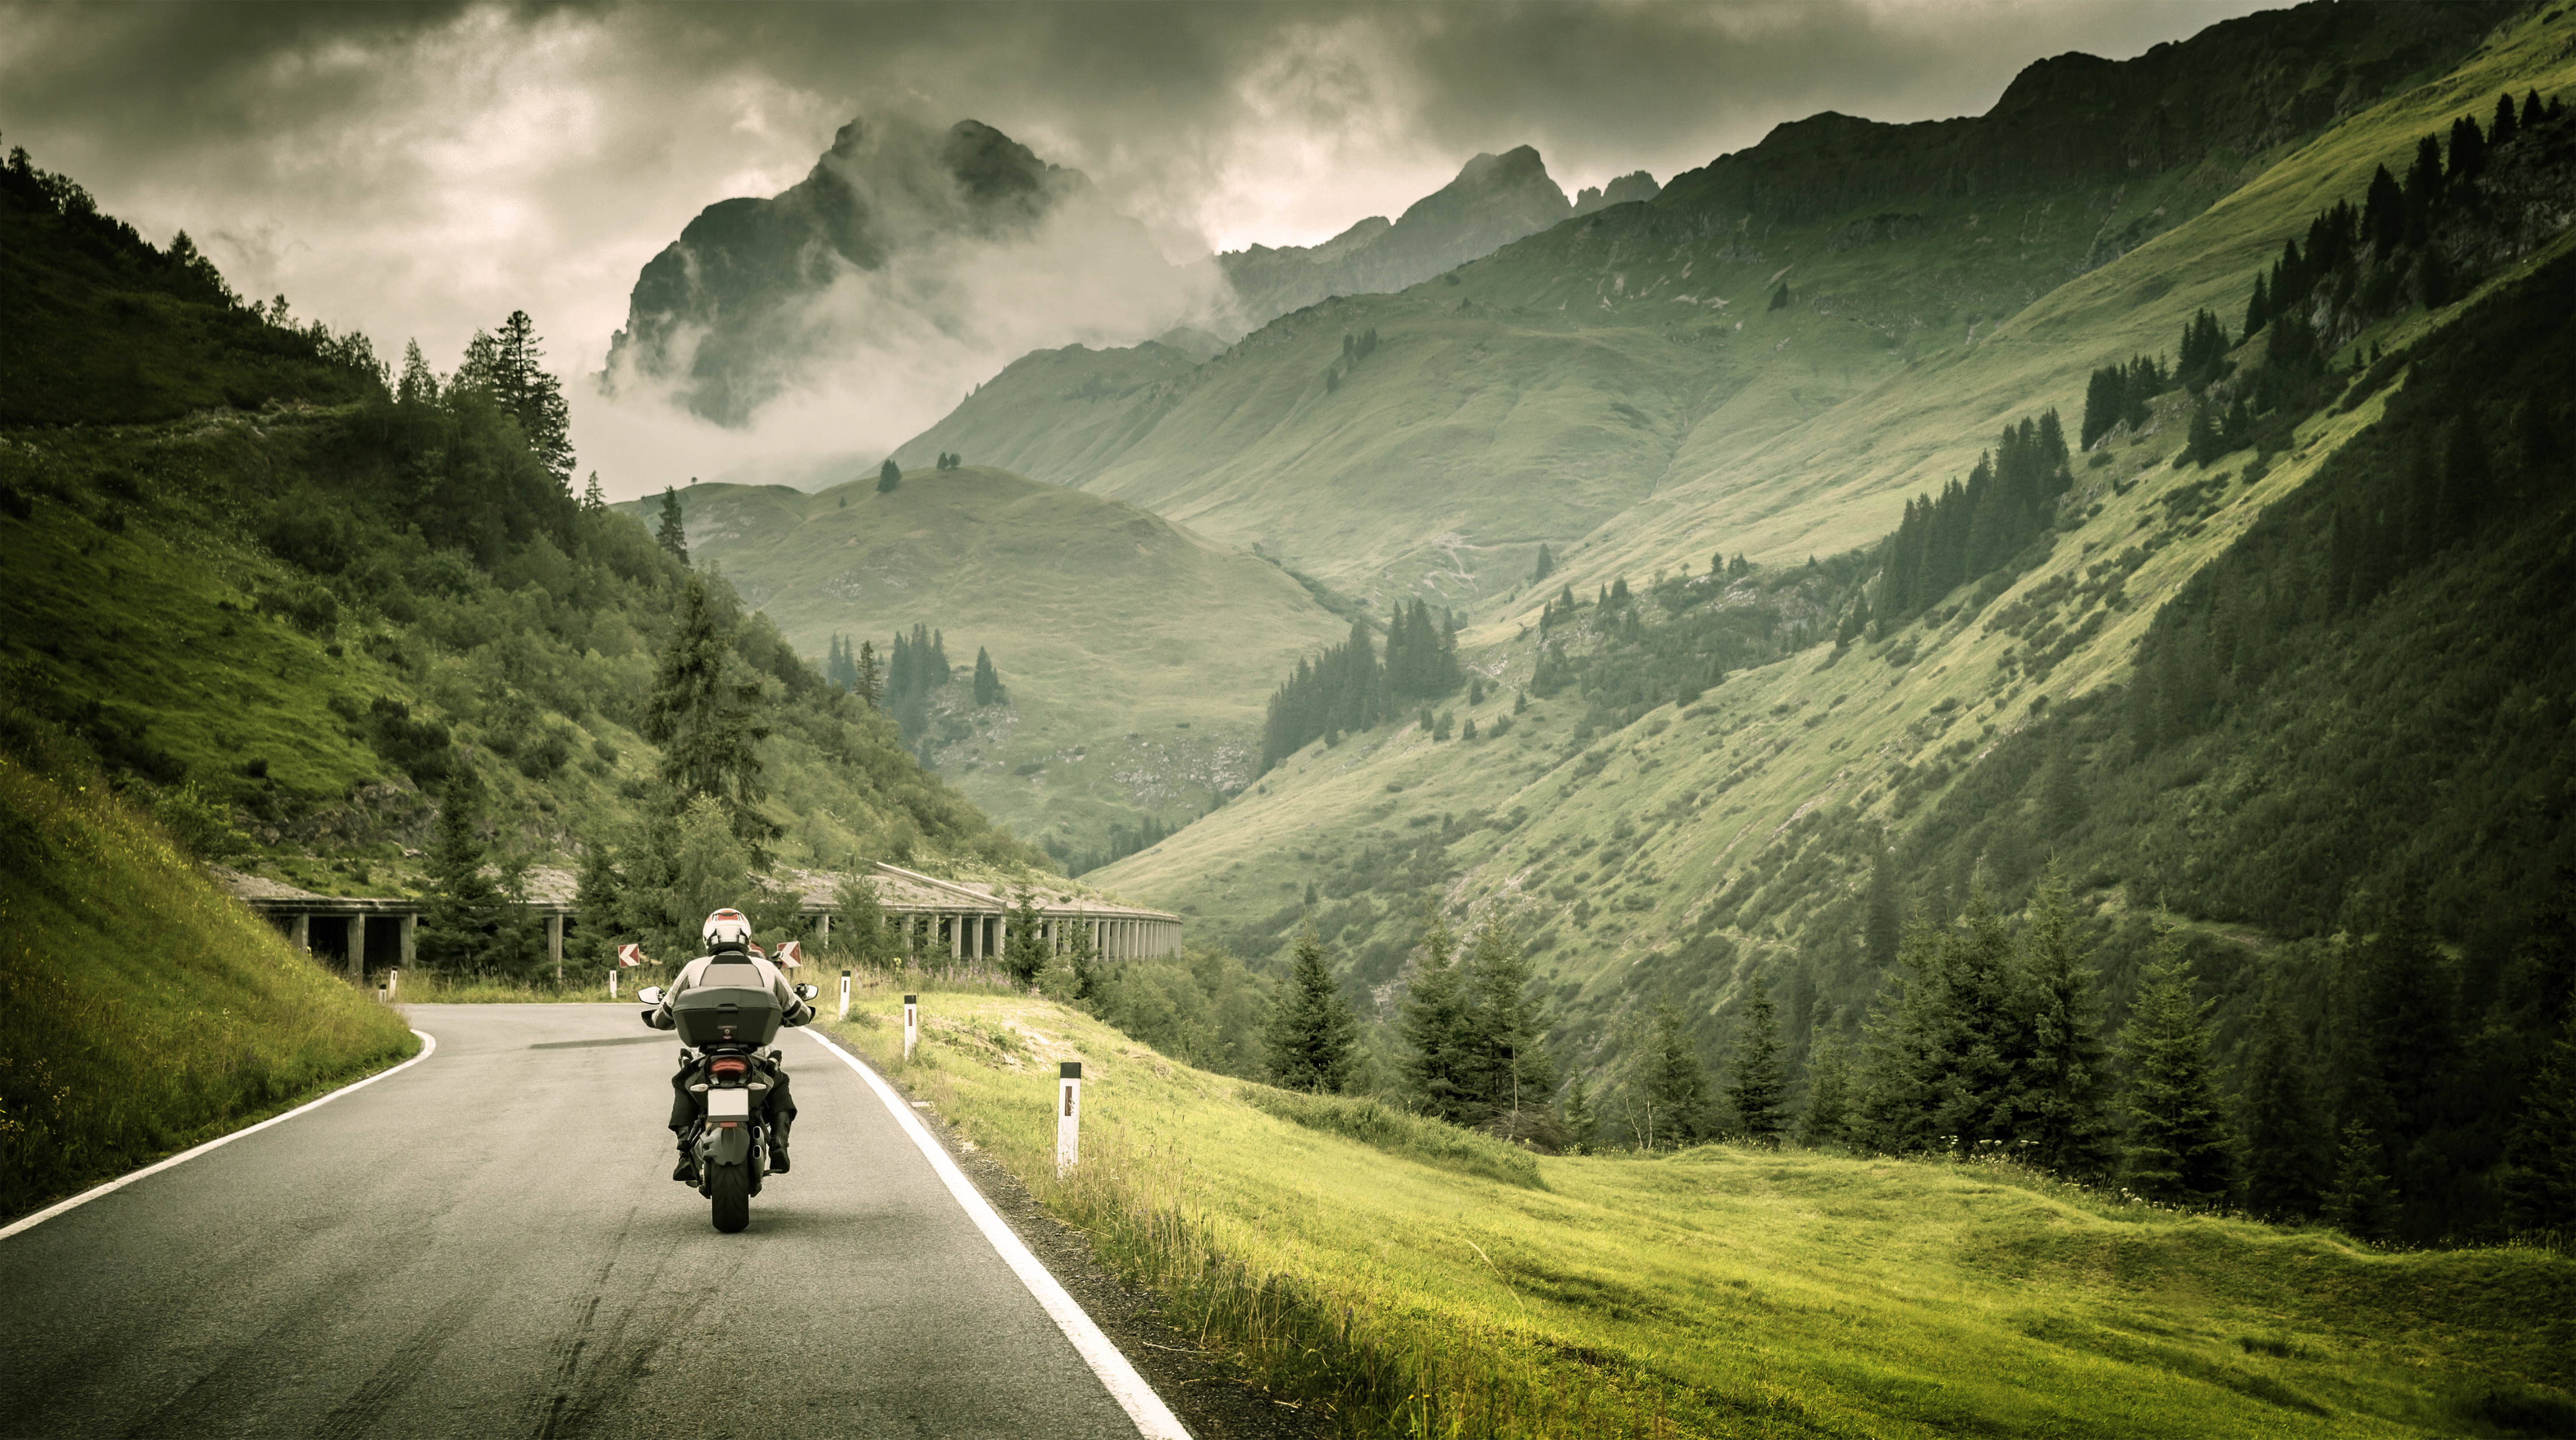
x,y
1135,653
302,623
1679,849
1545,392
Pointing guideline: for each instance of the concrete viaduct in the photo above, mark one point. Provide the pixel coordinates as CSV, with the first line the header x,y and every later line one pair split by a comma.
x,y
969,920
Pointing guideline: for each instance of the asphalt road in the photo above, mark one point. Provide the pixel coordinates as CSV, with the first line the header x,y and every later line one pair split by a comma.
x,y
489,1243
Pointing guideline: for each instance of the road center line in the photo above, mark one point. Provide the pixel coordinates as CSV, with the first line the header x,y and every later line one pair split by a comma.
x,y
1154,1420
428,1047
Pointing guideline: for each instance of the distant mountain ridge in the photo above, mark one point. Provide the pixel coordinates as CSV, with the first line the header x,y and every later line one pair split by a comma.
x,y
1624,377
1495,200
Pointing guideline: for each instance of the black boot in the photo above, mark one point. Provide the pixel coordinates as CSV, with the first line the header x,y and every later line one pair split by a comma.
x,y
687,1167
777,1149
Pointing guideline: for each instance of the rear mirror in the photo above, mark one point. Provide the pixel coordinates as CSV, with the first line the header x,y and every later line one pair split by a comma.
x,y
806,992
650,994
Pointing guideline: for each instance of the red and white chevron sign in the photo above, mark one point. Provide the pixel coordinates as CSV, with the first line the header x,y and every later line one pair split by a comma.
x,y
629,956
791,955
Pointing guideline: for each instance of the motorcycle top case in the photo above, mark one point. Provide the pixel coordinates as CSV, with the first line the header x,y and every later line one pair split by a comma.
x,y
730,1005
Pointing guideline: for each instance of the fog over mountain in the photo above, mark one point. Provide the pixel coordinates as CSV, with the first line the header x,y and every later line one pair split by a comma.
x,y
422,170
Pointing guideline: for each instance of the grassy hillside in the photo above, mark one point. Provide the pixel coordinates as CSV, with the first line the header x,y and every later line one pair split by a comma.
x,y
1636,382
141,1009
1677,850
1417,1281
292,628
1136,654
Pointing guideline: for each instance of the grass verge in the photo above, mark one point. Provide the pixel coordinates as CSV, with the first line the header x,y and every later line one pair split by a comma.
x,y
142,1010
1722,1291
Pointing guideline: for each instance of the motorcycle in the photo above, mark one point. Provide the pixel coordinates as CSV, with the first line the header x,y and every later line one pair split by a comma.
x,y
725,1022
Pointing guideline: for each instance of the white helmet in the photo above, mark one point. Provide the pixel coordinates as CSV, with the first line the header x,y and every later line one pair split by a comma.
x,y
727,930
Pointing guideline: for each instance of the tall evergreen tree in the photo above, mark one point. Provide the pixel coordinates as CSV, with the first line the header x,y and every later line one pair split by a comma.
x,y
1312,1036
1826,1118
1757,1080
674,532
1671,1108
1546,566
2064,1123
889,475
1025,953
1582,1121
988,681
705,714
2361,1204
2282,1159
859,928
1505,1051
598,908
2178,1150
468,925
2540,1153
1432,1022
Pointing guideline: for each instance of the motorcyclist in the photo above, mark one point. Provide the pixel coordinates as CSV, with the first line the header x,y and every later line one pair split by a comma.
x,y
727,935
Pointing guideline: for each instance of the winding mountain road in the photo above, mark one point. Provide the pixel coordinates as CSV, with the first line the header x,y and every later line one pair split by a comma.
x,y
488,1243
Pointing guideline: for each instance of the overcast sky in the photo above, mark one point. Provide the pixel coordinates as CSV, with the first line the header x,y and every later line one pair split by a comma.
x,y
421,171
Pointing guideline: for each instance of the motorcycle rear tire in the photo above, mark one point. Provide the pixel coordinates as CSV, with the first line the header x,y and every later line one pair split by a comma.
x,y
729,1186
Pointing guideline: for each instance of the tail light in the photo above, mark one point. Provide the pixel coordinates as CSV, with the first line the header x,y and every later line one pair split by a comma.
x,y
730,1067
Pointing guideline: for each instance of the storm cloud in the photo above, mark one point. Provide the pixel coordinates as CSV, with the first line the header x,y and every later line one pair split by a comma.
x,y
422,170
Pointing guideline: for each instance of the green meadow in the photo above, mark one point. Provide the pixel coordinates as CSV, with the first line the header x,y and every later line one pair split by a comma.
x,y
1422,1281
1136,653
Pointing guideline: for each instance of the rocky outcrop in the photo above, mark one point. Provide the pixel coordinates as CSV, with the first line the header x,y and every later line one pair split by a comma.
x,y
716,313
1495,200
2078,121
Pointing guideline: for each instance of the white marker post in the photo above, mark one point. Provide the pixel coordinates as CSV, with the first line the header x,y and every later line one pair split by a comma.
x,y
612,984
845,994
1068,1116
393,986
911,1025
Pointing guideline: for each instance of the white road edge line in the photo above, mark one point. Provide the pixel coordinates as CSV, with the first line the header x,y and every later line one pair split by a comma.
x,y
1154,1420
428,1047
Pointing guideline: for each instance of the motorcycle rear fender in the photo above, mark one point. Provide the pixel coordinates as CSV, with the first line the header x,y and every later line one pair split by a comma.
x,y
732,1144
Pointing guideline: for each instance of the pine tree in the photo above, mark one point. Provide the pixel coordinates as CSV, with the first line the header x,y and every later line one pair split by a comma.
x,y
533,397
889,475
1432,1022
1582,1122
2361,1204
2281,1150
2178,1150
418,385
1546,566
2540,1153
1312,1036
988,681
1024,954
705,715
1674,1086
674,533
2064,1122
594,500
464,926
1826,1120
1757,1080
598,907
1503,1053
859,928
865,680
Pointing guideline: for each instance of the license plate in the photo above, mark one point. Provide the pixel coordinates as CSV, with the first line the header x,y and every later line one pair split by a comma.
x,y
728,1104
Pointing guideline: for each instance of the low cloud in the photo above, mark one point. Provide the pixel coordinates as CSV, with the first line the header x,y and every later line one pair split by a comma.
x,y
422,170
